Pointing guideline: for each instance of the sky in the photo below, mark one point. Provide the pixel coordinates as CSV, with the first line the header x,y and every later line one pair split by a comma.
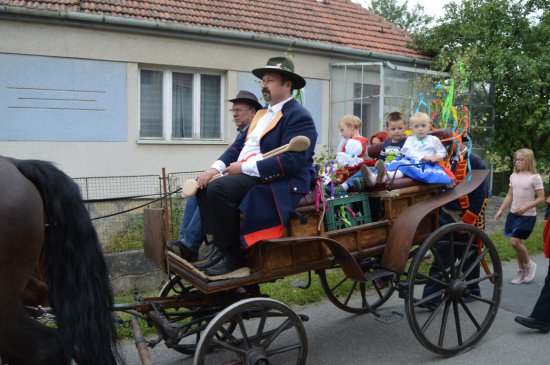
x,y
431,7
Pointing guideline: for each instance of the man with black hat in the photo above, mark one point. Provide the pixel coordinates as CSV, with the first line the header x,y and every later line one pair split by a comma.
x,y
245,106
265,191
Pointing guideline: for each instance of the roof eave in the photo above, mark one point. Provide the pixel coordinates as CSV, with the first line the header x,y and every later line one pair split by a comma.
x,y
181,31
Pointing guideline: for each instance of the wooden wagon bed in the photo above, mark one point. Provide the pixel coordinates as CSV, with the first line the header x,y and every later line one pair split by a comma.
x,y
406,209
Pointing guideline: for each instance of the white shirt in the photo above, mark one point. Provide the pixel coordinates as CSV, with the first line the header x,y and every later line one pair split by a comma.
x,y
251,149
415,148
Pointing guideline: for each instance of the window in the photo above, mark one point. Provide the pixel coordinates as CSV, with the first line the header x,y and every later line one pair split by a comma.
x,y
182,105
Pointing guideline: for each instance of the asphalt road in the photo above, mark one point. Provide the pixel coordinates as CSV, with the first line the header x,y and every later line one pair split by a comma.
x,y
337,337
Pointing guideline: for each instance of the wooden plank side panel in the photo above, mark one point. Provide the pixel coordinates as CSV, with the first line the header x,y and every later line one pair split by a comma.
x,y
361,237
153,236
275,257
395,206
290,255
373,236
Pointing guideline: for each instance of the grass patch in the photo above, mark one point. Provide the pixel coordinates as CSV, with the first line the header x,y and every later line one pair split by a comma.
x,y
283,291
130,237
125,330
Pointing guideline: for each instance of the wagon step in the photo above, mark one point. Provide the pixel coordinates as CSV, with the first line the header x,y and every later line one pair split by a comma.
x,y
379,273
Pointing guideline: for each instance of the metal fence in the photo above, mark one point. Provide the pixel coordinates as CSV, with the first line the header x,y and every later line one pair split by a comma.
x,y
177,201
116,204
501,182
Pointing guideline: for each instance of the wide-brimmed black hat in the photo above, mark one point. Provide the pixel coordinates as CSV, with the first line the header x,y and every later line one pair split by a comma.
x,y
247,97
285,67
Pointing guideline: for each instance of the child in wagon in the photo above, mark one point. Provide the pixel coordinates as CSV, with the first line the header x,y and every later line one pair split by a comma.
x,y
349,134
352,147
418,148
350,152
395,127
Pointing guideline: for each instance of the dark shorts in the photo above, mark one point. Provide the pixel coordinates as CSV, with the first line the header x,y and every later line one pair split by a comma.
x,y
519,226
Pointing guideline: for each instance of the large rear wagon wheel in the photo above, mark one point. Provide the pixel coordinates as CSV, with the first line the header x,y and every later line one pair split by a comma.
x,y
267,332
353,296
444,309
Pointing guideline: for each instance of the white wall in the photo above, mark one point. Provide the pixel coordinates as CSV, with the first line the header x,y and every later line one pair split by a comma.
x,y
82,159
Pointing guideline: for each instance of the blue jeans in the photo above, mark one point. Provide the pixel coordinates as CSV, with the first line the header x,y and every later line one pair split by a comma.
x,y
191,235
356,176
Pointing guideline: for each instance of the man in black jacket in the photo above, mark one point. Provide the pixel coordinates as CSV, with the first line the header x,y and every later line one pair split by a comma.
x,y
468,209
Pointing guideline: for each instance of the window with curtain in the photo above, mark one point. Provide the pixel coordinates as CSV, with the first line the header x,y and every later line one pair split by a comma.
x,y
151,104
178,105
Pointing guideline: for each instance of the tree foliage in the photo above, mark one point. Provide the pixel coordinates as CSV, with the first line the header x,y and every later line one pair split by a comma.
x,y
411,21
506,43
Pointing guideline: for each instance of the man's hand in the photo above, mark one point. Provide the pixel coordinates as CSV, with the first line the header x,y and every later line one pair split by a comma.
x,y
206,176
234,169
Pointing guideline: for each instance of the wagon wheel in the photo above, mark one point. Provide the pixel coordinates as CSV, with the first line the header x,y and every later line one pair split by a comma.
x,y
196,319
353,296
453,315
268,332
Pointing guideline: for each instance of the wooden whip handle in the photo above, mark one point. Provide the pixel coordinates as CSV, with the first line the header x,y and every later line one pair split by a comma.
x,y
296,144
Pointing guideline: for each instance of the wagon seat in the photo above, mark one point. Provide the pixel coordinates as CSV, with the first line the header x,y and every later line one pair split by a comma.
x,y
308,201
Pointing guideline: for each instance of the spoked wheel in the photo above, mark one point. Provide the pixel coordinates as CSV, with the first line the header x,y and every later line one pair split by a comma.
x,y
453,293
183,326
267,332
353,296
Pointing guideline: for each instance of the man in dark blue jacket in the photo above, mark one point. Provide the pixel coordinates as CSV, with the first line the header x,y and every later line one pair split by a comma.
x,y
468,209
245,106
265,191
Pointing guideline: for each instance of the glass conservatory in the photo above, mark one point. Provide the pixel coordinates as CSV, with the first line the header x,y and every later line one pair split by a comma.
x,y
371,90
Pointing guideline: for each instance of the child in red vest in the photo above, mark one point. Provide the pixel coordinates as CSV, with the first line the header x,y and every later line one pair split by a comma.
x,y
352,148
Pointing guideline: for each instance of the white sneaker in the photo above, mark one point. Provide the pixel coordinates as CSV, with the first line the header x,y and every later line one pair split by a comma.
x,y
529,271
518,279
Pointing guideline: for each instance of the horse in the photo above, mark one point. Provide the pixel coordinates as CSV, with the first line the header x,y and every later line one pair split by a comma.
x,y
44,223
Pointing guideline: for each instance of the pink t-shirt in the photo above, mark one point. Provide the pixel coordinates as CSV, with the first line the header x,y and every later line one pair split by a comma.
x,y
524,186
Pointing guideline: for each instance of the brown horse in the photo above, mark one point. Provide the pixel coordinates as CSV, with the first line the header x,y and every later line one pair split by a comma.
x,y
42,218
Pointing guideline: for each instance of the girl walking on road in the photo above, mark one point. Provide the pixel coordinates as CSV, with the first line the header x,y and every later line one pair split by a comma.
x,y
525,193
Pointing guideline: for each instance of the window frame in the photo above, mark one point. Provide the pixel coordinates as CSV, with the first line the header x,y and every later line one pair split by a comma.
x,y
167,83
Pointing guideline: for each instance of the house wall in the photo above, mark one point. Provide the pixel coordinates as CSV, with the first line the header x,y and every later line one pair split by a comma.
x,y
119,152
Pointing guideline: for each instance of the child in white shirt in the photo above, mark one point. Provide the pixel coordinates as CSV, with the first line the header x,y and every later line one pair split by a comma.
x,y
525,193
418,148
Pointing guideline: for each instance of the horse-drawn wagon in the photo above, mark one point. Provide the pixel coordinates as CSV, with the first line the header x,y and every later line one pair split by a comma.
x,y
386,244
360,265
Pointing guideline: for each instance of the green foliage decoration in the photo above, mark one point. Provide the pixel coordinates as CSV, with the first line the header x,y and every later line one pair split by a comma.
x,y
505,44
